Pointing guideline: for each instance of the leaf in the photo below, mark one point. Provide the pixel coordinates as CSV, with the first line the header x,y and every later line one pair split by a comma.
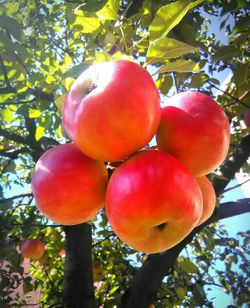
x,y
92,6
109,11
167,48
67,83
59,102
12,8
113,290
181,292
180,65
225,52
198,80
7,115
188,266
87,24
39,132
76,70
34,113
168,16
164,84
12,26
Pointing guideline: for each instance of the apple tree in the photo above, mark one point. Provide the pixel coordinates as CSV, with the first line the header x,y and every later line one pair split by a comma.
x,y
45,46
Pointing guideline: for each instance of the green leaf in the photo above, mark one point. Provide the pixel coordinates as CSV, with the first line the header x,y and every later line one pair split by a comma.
x,y
92,6
109,11
12,8
164,84
180,65
76,70
188,266
87,24
181,292
225,52
7,115
12,26
167,48
113,290
198,80
168,16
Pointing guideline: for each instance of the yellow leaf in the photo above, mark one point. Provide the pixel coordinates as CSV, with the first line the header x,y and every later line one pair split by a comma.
x,y
39,132
59,102
67,83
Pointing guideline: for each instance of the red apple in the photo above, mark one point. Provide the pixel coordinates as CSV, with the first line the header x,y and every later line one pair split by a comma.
x,y
153,201
194,129
209,198
69,187
32,249
246,118
112,110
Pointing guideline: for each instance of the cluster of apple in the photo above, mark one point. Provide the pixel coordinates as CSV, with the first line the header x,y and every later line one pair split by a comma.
x,y
155,196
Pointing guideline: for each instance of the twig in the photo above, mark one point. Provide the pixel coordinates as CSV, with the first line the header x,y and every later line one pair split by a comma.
x,y
2,201
235,186
228,94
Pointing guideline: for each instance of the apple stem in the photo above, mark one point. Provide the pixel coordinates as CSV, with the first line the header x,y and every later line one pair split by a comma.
x,y
162,226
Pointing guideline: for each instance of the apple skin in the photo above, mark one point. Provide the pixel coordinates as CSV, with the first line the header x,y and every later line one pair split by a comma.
x,y
32,249
69,187
112,110
209,198
194,129
153,201
246,118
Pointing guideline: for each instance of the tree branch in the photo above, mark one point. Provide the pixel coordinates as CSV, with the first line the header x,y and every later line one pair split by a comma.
x,y
14,154
148,279
2,201
232,165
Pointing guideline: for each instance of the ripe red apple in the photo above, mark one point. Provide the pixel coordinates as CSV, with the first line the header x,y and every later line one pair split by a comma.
x,y
32,249
112,110
209,198
246,118
69,187
194,129
153,201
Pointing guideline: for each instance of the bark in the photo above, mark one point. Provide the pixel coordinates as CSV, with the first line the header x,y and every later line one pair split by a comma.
x,y
78,276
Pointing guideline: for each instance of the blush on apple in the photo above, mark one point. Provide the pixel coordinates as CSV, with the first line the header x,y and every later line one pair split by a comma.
x,y
194,129
112,110
69,187
153,201
32,248
208,196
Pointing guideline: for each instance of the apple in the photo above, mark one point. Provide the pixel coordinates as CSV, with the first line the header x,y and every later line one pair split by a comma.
x,y
69,187
32,248
153,201
194,129
246,118
112,110
209,198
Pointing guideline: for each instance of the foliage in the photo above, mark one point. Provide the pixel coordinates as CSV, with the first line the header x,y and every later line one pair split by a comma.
x,y
45,45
